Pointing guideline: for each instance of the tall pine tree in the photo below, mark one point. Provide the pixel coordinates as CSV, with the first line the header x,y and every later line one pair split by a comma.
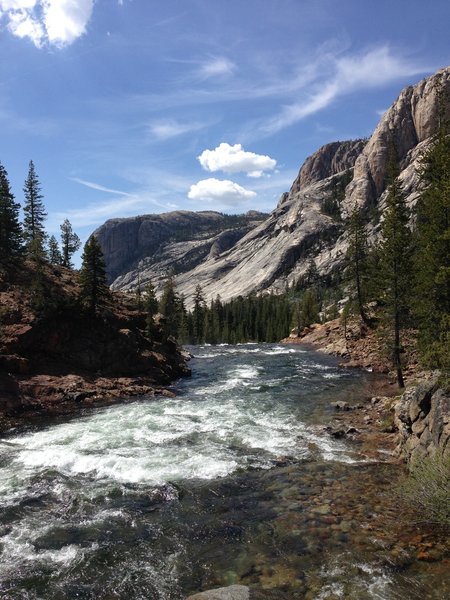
x,y
357,255
395,263
70,243
94,292
169,307
10,229
198,315
34,212
151,308
54,253
432,257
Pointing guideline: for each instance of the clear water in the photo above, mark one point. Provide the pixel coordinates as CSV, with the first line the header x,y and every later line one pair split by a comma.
x,y
159,497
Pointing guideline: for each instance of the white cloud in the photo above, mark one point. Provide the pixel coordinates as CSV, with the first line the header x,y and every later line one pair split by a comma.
x,y
373,68
57,22
234,159
165,129
220,190
217,66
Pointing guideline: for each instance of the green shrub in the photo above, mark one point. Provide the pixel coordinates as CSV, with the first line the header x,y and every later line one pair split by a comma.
x,y
427,489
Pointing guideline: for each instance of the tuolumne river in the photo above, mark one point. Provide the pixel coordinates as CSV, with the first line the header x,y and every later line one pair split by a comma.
x,y
232,481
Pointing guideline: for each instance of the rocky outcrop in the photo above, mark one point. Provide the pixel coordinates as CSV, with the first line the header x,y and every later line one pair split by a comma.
x,y
409,123
422,417
330,160
60,359
280,249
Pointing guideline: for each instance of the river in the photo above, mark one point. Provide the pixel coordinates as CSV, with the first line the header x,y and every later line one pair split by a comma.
x,y
231,481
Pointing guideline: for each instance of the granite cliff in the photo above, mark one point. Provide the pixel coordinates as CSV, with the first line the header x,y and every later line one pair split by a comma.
x,y
149,247
265,255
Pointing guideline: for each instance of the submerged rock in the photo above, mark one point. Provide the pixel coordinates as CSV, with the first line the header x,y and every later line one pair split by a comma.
x,y
232,592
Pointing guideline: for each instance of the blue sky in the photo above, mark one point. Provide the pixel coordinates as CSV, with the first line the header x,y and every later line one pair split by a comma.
x,y
137,106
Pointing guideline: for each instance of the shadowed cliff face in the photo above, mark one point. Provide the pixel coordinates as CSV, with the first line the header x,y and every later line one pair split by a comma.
x,y
279,249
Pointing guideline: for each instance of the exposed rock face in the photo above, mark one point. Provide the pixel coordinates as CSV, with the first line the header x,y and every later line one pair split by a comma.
x,y
153,245
422,417
279,249
330,160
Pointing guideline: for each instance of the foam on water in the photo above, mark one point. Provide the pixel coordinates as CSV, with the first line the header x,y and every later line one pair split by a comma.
x,y
209,432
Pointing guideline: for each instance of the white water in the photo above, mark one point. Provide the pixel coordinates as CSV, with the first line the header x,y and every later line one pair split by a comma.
x,y
246,407
209,433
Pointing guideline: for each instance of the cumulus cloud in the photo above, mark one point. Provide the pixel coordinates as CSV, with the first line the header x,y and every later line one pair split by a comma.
x,y
234,159
220,190
56,22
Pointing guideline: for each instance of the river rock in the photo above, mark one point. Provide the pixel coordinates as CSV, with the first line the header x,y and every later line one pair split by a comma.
x,y
232,592
340,405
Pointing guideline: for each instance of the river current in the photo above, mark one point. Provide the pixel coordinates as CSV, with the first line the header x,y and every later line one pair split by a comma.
x,y
231,481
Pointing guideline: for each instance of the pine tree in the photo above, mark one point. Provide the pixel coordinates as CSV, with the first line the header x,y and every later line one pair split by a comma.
x,y
357,255
150,307
432,256
34,211
70,243
169,308
94,292
10,229
54,253
199,315
395,263
310,310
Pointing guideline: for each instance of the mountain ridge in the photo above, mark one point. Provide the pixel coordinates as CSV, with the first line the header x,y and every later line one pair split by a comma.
x,y
278,250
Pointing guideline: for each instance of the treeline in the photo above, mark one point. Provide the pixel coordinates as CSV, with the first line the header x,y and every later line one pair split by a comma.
x,y
27,239
253,318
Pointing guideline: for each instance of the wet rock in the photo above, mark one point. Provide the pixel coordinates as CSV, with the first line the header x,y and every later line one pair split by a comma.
x,y
232,592
340,405
324,509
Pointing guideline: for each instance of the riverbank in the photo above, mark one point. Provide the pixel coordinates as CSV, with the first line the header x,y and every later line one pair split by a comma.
x,y
57,358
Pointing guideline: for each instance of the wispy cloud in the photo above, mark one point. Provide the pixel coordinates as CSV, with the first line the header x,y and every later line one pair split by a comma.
x,y
374,68
165,129
100,188
216,67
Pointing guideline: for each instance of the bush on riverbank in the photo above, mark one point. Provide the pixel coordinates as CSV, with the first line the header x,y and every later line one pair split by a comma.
x,y
426,489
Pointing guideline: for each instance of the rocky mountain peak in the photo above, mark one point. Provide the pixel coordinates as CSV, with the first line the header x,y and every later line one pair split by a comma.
x,y
329,160
409,123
